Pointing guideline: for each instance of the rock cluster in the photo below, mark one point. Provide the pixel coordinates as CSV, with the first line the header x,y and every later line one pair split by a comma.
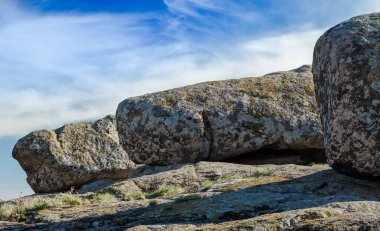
x,y
221,119
72,155
217,121
346,70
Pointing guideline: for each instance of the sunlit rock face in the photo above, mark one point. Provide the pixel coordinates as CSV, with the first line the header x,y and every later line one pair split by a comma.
x,y
221,119
346,69
72,155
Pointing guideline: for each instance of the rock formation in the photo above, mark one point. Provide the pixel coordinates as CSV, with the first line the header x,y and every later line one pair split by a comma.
x,y
207,196
222,119
72,155
346,69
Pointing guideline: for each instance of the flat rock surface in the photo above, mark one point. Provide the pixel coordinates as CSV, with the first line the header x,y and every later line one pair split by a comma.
x,y
211,196
221,119
72,155
346,68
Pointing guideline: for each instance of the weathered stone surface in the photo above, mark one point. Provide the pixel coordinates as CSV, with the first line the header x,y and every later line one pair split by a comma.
x,y
335,216
222,119
346,69
72,155
216,196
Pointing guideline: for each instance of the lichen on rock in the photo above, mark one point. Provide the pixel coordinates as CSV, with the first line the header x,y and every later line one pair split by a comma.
x,y
346,69
221,119
72,155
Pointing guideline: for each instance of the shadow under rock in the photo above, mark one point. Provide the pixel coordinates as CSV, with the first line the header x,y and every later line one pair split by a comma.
x,y
284,156
314,190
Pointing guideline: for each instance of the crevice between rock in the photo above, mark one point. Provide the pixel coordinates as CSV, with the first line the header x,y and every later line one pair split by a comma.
x,y
208,133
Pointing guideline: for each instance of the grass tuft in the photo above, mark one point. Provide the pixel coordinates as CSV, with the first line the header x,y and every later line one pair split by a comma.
x,y
7,211
10,212
134,196
72,200
263,172
208,183
164,191
103,197
39,205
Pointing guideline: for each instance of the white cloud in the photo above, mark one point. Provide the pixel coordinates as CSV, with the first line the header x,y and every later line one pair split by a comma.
x,y
194,8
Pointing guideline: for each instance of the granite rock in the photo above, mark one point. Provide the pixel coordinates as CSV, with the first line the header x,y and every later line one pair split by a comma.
x,y
221,119
346,69
72,156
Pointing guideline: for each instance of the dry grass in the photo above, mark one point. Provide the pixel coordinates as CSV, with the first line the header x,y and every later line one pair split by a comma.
x,y
10,212
134,196
103,197
167,191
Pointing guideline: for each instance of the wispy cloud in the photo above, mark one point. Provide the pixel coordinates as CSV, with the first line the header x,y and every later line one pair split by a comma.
x,y
62,67
204,8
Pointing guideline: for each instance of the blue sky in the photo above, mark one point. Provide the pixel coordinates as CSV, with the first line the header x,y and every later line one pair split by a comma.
x,y
65,61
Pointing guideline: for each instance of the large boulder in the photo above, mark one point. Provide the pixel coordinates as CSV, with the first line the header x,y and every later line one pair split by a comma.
x,y
221,119
72,155
346,70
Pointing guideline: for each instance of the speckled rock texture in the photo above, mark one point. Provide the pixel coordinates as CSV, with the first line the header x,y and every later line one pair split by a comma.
x,y
346,69
72,155
221,119
207,196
